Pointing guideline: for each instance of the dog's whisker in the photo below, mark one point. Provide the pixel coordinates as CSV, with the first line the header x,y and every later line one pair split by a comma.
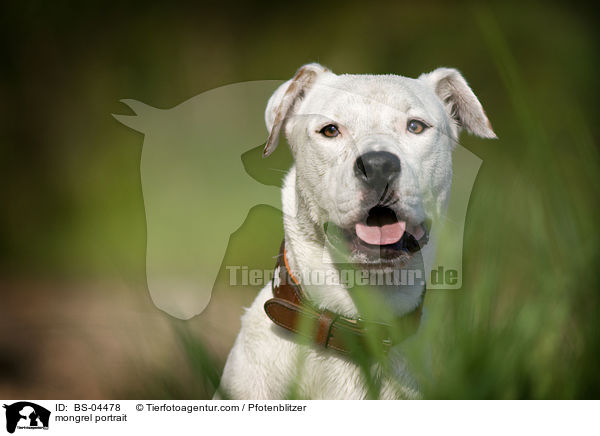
x,y
387,199
382,199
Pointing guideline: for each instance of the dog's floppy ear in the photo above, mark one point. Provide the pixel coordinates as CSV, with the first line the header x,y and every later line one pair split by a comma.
x,y
461,103
283,100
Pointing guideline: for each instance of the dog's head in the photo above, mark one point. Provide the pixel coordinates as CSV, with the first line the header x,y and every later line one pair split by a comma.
x,y
373,154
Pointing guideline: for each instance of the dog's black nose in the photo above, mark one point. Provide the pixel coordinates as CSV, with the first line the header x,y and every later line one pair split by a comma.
x,y
377,168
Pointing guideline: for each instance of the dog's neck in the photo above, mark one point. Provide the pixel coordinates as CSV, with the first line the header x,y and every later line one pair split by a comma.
x,y
309,258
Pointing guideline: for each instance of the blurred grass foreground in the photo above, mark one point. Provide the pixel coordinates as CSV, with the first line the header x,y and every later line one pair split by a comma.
x,y
76,319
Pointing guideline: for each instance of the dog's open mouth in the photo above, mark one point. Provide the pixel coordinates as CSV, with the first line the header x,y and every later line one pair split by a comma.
x,y
381,236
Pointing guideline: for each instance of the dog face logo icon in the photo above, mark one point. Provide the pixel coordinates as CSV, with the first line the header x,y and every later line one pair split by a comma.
x,y
26,415
191,149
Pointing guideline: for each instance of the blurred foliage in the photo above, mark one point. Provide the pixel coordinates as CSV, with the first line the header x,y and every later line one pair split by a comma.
x,y
525,324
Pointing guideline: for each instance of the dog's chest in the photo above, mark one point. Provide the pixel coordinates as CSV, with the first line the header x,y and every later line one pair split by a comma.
x,y
326,375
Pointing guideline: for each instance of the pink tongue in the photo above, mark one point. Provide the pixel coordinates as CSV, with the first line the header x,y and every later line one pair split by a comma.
x,y
384,235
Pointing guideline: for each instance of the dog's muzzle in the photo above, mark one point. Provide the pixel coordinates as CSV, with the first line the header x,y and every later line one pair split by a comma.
x,y
378,170
381,234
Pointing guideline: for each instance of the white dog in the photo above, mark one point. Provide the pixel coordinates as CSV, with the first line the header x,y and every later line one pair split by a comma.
x,y
372,172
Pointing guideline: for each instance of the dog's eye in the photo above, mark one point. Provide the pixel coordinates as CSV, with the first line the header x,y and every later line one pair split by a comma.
x,y
416,126
330,130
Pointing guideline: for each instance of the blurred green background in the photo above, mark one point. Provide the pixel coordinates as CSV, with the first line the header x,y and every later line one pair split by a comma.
x,y
76,320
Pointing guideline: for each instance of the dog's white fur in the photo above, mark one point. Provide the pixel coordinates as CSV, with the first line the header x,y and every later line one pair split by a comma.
x,y
372,113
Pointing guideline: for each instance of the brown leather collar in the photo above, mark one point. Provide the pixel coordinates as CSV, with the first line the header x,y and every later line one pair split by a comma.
x,y
290,308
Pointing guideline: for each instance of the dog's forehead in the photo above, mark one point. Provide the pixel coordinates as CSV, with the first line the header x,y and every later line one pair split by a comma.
x,y
377,94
